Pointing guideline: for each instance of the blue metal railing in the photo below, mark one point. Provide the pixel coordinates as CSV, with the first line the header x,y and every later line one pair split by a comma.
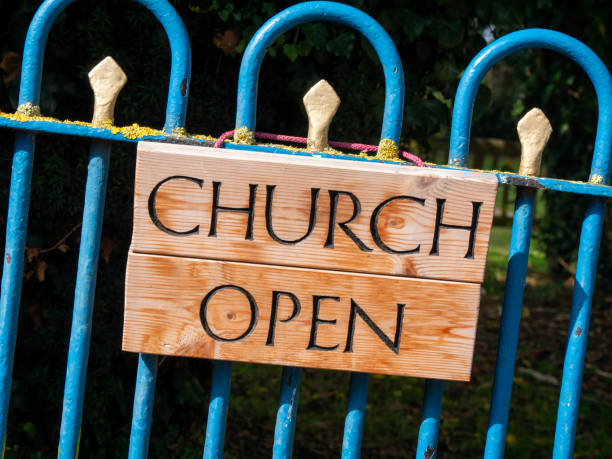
x,y
29,95
246,109
521,233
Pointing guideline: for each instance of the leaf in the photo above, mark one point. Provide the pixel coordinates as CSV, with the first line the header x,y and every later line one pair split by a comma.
x,y
440,97
41,269
27,275
445,71
449,33
268,9
316,34
291,51
29,428
32,253
10,66
342,45
63,248
369,50
35,314
434,114
483,99
225,12
304,48
227,42
413,24
107,246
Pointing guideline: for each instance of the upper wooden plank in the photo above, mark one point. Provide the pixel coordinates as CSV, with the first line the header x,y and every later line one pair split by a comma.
x,y
176,186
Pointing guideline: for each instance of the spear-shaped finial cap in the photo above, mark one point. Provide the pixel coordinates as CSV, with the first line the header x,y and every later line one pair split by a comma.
x,y
321,103
534,130
106,79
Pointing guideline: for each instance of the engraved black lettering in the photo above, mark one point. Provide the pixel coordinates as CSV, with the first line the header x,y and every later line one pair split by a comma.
x,y
316,304
153,209
333,206
275,299
356,310
374,225
216,208
471,228
314,194
252,305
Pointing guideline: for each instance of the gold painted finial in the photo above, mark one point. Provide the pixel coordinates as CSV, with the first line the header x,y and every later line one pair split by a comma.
x,y
534,130
106,79
321,103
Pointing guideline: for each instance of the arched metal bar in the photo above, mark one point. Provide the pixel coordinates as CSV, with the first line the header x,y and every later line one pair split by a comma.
x,y
180,47
521,234
19,205
328,12
525,39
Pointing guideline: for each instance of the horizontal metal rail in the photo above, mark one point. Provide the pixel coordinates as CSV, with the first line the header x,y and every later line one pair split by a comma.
x,y
90,132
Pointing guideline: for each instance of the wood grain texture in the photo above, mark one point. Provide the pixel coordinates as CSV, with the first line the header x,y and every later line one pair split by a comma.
x,y
164,298
404,224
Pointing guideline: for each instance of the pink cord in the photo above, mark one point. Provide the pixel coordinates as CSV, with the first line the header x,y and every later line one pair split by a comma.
x,y
302,140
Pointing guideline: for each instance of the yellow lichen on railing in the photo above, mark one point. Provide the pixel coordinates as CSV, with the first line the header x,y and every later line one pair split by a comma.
x,y
133,131
242,135
387,149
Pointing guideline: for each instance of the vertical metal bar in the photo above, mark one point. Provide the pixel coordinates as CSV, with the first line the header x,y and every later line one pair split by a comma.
x,y
430,423
16,228
80,335
573,365
176,109
355,416
217,410
510,323
330,12
287,412
19,200
143,406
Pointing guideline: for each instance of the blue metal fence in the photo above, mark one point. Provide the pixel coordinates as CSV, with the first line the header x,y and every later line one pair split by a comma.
x,y
16,230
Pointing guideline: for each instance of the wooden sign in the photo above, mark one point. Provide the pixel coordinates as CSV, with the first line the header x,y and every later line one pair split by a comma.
x,y
306,261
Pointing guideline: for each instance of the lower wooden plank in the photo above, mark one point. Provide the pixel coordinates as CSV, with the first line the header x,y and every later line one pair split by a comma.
x,y
300,317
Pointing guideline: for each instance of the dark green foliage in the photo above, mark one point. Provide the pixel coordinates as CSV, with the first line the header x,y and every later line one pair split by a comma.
x,y
436,41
